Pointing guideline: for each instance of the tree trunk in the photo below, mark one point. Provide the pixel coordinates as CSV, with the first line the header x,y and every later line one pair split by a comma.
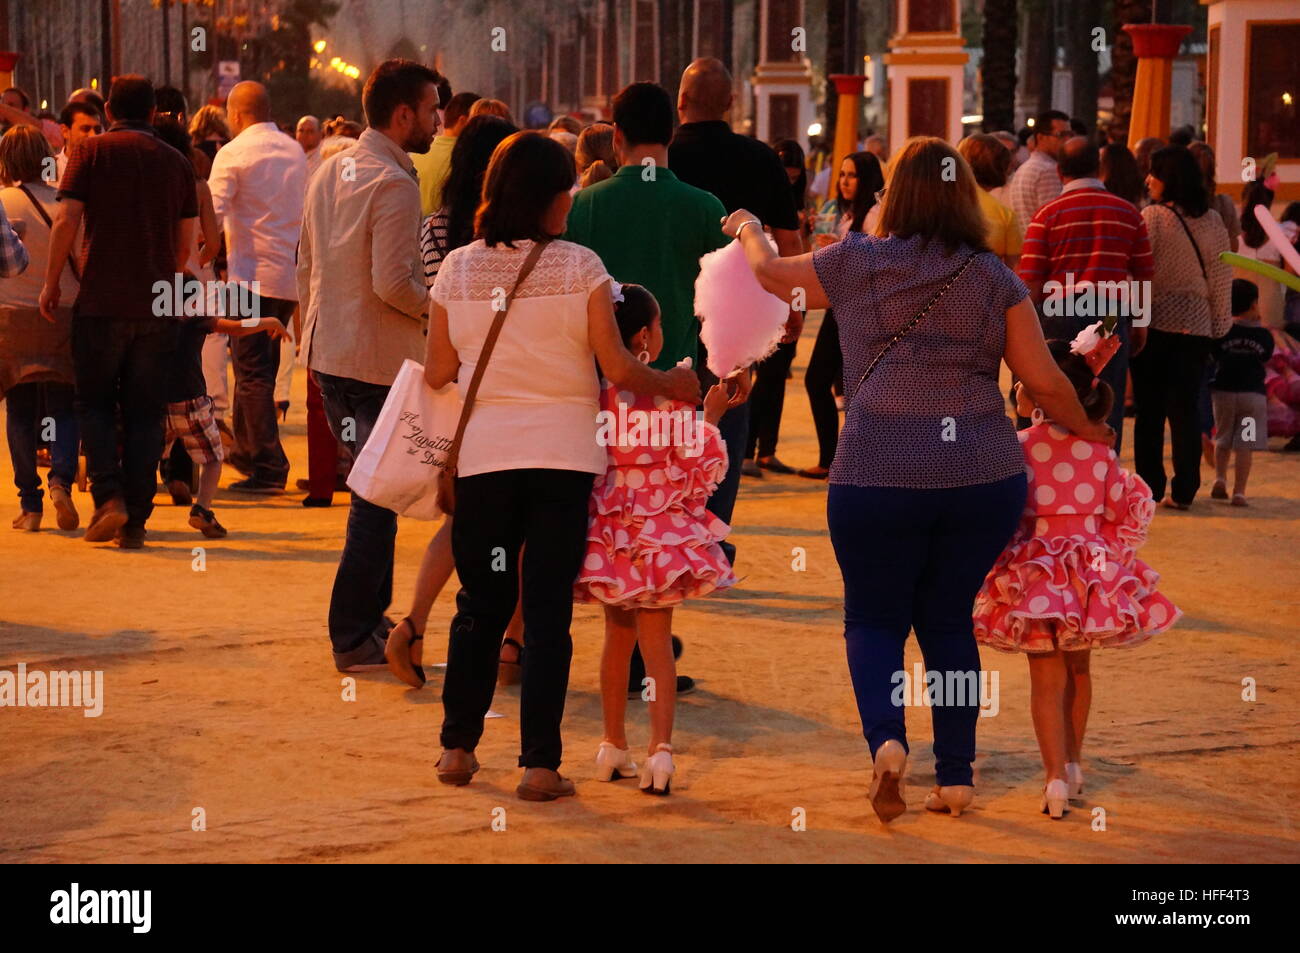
x,y
836,51
1123,64
1084,17
998,67
1040,55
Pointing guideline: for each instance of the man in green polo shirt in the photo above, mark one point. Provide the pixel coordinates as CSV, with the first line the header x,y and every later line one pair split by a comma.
x,y
648,226
651,228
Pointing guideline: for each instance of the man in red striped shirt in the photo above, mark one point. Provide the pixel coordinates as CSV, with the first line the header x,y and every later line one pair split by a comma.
x,y
1086,256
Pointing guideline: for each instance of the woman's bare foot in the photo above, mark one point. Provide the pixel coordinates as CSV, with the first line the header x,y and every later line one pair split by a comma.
x,y
405,653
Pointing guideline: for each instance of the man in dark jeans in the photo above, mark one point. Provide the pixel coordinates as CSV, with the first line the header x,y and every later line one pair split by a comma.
x,y
256,360
363,298
137,198
363,586
257,181
743,173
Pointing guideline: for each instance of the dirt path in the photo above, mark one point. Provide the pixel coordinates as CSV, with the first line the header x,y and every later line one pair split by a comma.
x,y
220,695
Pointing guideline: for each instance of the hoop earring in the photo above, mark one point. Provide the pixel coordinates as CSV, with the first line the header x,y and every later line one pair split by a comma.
x,y
1037,416
644,357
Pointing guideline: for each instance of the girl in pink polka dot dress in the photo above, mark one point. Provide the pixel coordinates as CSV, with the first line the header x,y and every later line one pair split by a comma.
x,y
650,541
1070,581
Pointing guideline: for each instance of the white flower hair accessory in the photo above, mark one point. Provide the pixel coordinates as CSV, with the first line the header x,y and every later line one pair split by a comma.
x,y
1096,346
616,290
1086,341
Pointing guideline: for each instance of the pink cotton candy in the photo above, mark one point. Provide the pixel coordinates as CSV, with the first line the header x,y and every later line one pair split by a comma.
x,y
741,323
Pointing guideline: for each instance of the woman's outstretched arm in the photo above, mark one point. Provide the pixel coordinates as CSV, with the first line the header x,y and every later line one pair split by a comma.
x,y
783,277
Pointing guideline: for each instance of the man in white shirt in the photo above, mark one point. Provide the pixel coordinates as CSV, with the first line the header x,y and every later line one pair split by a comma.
x,y
307,132
361,285
258,181
1037,181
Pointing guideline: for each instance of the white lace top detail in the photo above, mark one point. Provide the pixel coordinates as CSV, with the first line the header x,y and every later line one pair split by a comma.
x,y
478,273
537,403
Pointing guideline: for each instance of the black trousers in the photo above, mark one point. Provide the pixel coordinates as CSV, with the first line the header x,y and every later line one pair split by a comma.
x,y
767,402
825,367
545,513
122,364
1166,386
254,420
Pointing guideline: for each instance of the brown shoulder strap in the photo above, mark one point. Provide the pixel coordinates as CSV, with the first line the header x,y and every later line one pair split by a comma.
x,y
49,223
489,343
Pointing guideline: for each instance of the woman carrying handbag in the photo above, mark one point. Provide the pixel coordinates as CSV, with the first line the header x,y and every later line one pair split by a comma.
x,y
928,481
518,319
1190,308
36,373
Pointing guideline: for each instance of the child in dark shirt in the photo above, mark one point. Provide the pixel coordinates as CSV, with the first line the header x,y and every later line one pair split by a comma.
x,y
1240,407
190,417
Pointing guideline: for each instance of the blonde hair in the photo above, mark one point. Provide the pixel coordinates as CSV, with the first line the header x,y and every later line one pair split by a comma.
x,y
23,151
490,107
931,192
208,120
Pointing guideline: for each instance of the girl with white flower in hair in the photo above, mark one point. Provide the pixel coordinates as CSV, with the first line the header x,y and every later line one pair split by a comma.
x,y
1070,581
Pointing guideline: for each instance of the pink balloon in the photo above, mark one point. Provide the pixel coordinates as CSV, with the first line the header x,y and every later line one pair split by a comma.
x,y
1278,237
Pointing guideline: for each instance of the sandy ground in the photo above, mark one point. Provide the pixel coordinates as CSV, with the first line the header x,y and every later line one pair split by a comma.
x,y
220,694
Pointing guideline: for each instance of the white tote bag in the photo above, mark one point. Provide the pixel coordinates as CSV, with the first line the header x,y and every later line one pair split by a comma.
x,y
398,467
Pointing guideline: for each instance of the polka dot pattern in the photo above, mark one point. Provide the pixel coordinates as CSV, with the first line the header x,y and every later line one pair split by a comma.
x,y
1071,578
930,415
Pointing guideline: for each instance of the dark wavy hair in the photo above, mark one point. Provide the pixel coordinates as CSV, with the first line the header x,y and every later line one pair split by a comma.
x,y
792,157
1256,193
1184,182
1120,173
1094,394
463,190
635,312
870,181
528,170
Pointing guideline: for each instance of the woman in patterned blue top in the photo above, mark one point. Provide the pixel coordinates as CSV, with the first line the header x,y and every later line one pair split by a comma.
x,y
928,480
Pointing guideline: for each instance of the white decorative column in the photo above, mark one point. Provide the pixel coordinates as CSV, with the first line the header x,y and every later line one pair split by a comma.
x,y
926,71
783,77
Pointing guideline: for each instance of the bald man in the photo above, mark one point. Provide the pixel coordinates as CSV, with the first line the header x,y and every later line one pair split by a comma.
x,y
742,173
258,182
308,134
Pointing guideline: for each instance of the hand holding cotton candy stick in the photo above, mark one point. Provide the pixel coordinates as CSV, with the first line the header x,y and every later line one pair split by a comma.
x,y
741,322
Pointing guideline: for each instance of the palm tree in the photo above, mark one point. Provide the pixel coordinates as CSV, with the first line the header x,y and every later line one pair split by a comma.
x,y
998,67
1084,16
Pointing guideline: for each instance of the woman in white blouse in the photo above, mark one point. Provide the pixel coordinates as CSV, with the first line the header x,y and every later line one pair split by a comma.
x,y
1189,308
530,452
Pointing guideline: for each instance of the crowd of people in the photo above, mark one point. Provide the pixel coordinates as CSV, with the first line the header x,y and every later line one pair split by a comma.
x,y
551,275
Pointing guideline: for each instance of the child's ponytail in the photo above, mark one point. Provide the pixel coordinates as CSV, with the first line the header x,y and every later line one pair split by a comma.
x,y
1094,394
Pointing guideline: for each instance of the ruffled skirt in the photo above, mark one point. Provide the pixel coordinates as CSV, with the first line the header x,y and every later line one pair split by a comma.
x,y
1072,591
652,545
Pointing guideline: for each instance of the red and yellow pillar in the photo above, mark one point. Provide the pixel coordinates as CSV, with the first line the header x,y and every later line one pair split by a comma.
x,y
1155,45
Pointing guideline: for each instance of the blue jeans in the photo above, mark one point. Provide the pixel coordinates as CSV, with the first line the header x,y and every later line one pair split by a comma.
x,y
27,406
914,559
363,585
